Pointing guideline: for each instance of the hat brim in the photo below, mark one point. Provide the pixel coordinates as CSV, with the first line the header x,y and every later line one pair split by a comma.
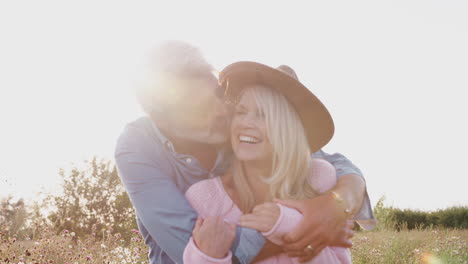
x,y
316,119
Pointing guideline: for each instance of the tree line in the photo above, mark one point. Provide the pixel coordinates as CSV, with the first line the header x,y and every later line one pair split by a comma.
x,y
398,219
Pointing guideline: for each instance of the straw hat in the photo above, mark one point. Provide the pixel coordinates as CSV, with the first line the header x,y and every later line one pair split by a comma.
x,y
316,119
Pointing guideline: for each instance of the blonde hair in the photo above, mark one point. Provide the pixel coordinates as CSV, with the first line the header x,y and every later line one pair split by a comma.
x,y
291,162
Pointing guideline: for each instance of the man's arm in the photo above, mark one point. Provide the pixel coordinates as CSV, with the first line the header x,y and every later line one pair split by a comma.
x,y
324,216
159,204
351,186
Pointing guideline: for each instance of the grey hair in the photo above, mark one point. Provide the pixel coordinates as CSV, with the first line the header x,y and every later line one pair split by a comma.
x,y
174,58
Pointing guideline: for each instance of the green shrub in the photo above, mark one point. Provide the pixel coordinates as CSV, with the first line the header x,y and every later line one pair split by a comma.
x,y
453,217
92,197
410,219
389,218
401,219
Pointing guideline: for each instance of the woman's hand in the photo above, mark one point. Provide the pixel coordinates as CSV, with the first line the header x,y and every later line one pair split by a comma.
x,y
213,236
262,218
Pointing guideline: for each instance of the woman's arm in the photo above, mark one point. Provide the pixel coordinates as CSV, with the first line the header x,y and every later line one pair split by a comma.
x,y
325,216
212,237
287,220
351,185
322,177
275,220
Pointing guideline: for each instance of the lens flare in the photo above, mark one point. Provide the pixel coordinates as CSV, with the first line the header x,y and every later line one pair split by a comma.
x,y
428,258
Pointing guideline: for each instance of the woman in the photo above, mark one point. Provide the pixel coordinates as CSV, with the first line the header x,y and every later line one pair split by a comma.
x,y
276,124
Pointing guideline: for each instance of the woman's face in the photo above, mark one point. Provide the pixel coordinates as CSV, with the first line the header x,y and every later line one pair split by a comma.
x,y
249,132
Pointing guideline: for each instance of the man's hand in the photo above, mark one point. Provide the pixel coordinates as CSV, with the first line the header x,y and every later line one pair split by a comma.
x,y
324,224
262,218
268,250
213,236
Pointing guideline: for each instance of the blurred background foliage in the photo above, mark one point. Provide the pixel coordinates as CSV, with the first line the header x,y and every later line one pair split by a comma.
x,y
93,200
391,218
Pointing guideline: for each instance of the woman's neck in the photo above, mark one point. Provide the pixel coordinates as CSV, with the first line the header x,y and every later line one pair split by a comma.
x,y
255,172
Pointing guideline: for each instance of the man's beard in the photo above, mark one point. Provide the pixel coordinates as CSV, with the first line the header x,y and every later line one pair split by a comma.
x,y
215,134
219,132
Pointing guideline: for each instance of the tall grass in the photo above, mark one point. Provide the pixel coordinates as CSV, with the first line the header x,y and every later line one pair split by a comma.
x,y
376,247
66,248
436,246
393,242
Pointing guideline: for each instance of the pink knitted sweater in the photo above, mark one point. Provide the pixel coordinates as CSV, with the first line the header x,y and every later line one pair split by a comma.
x,y
209,198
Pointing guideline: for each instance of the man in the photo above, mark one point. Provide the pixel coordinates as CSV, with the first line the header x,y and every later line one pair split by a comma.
x,y
182,141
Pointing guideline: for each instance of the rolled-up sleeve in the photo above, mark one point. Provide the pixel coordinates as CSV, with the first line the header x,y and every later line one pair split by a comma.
x,y
343,166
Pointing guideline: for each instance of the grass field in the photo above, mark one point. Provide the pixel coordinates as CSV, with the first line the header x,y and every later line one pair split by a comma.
x,y
417,246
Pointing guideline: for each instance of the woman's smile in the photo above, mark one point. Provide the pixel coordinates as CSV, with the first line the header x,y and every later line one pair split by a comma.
x,y
248,131
248,139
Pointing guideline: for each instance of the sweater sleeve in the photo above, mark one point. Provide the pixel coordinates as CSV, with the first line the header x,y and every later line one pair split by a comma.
x,y
194,255
322,178
287,220
203,198
322,175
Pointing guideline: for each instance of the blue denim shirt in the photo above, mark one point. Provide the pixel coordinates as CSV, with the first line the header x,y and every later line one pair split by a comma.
x,y
156,178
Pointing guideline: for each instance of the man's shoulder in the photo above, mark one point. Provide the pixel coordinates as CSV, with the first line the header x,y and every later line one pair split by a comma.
x,y
140,126
142,123
138,133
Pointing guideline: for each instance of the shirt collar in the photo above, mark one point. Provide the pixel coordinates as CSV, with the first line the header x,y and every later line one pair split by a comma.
x,y
167,143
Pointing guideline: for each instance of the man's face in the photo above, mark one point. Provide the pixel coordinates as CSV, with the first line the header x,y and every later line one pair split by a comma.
x,y
201,114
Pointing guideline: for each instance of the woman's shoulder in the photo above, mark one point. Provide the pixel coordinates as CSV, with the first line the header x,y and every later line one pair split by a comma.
x,y
202,196
321,168
322,175
321,164
208,198
205,187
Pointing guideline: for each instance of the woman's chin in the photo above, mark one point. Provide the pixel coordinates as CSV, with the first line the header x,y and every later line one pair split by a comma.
x,y
245,155
250,158
246,159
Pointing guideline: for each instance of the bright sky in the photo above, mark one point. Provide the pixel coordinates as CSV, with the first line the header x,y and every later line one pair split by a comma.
x,y
393,74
